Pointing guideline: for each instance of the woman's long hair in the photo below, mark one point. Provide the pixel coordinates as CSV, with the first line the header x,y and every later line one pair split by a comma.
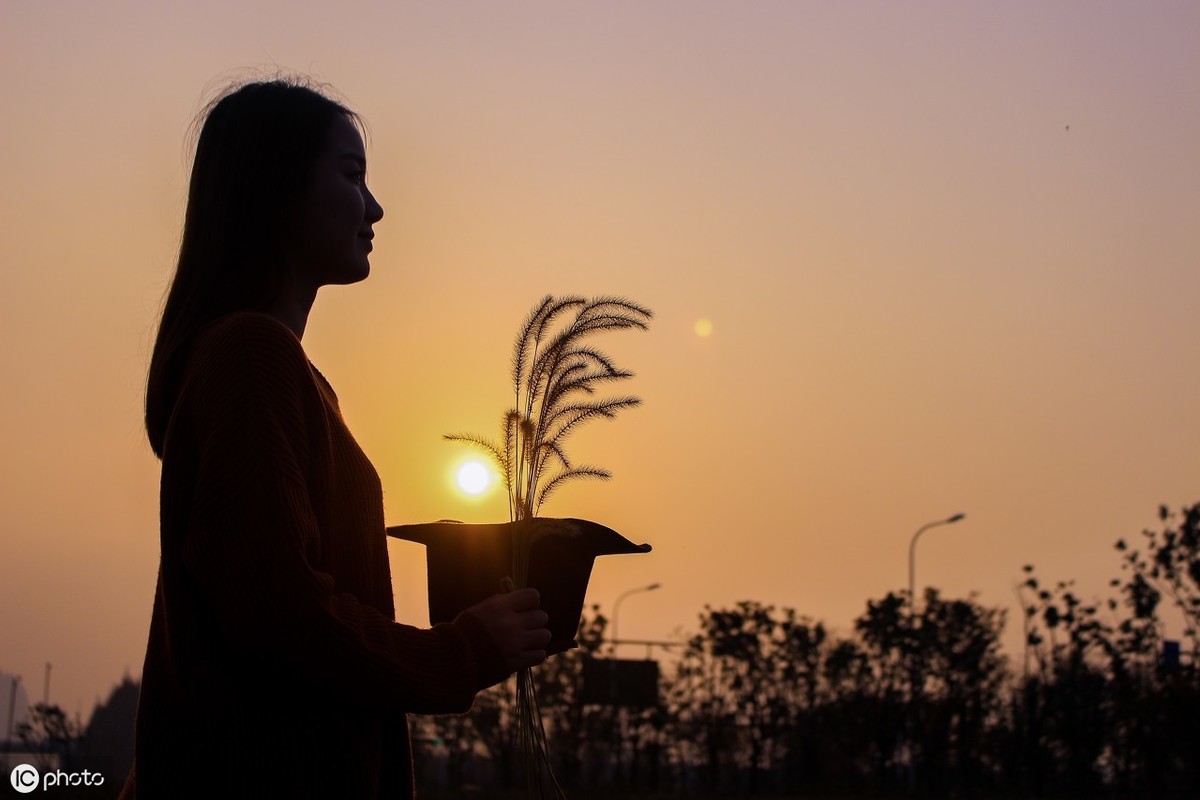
x,y
254,161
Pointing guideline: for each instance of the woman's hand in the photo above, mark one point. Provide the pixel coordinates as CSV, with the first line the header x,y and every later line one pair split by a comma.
x,y
516,626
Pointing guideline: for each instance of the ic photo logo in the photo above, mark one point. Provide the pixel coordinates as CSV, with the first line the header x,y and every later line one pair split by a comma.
x,y
24,778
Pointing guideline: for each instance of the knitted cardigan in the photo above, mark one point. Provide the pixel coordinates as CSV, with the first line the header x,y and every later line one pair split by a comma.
x,y
274,666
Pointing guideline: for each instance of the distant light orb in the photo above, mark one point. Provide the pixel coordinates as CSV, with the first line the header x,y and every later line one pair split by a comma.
x,y
704,328
473,477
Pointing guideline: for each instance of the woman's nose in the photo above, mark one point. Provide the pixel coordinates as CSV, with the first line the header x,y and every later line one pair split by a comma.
x,y
374,210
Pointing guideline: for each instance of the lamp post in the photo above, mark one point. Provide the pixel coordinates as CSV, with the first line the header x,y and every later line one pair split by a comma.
x,y
914,679
617,609
912,562
618,711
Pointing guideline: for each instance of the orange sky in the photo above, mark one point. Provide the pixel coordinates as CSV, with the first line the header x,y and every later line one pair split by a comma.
x,y
928,295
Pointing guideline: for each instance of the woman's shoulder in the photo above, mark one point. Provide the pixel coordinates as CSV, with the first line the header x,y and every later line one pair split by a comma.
x,y
253,327
247,344
248,334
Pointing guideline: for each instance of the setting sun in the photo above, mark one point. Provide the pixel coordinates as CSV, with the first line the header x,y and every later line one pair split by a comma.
x,y
473,477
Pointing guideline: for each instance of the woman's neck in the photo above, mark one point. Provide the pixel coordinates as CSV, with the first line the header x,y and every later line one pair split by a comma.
x,y
292,308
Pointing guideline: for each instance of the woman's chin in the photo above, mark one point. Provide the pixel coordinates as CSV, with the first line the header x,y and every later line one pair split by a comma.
x,y
355,274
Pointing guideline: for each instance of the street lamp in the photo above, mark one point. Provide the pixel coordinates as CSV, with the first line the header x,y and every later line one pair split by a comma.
x,y
914,677
618,711
912,562
617,608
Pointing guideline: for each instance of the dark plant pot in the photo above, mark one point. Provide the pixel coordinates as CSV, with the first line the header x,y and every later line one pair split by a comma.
x,y
468,562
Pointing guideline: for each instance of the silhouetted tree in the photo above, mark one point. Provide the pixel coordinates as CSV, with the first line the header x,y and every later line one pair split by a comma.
x,y
958,707
1169,568
932,684
1107,707
765,699
728,699
888,644
107,742
50,730
803,653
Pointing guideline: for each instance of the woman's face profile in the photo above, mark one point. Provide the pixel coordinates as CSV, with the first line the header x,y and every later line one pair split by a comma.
x,y
330,239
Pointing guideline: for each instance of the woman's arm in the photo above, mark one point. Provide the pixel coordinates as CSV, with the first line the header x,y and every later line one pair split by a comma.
x,y
252,531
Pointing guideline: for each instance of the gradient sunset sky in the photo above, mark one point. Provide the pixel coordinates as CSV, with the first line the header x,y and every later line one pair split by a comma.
x,y
950,253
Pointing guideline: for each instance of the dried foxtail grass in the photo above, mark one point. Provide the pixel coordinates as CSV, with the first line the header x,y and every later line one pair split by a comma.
x,y
555,376
555,373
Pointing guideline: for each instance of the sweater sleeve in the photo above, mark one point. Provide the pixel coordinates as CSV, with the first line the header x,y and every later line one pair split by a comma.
x,y
252,536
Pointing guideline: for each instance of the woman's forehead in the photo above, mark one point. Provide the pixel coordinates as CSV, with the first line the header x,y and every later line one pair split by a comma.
x,y
345,140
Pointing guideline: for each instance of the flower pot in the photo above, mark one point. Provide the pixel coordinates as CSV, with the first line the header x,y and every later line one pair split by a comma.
x,y
469,562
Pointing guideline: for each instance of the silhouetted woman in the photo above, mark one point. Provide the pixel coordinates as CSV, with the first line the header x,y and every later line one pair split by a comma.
x,y
274,666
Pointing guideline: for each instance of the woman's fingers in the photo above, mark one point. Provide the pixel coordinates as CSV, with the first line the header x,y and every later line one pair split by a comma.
x,y
516,624
523,599
537,639
535,642
533,619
